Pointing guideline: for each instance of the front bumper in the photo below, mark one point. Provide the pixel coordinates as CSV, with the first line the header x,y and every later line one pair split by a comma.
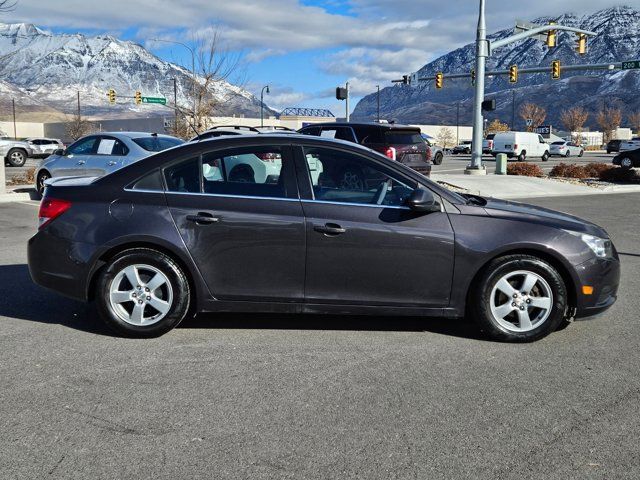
x,y
604,276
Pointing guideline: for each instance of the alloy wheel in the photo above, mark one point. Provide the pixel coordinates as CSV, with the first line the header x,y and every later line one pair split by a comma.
x,y
140,295
521,301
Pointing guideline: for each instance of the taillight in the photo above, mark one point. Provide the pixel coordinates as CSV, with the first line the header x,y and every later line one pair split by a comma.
x,y
428,153
390,152
515,147
50,209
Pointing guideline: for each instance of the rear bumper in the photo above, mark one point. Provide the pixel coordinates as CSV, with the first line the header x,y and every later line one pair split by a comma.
x,y
60,265
423,168
604,276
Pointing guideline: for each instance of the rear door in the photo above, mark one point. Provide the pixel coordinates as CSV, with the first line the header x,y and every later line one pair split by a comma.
x,y
240,216
110,154
364,247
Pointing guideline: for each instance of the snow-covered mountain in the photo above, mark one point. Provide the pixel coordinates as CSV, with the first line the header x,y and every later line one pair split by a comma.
x,y
618,39
43,70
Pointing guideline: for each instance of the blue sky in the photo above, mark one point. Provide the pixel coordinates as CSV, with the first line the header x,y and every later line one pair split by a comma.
x,y
303,49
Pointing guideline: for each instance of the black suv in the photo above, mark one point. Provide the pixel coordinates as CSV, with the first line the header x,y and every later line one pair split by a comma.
x,y
398,142
614,146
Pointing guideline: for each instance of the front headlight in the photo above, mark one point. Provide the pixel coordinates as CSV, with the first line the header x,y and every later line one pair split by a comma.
x,y
602,247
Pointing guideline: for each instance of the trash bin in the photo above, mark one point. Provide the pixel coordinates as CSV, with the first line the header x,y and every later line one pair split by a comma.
x,y
501,164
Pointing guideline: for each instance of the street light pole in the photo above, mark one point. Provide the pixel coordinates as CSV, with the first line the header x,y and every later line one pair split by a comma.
x,y
482,52
378,103
15,130
266,87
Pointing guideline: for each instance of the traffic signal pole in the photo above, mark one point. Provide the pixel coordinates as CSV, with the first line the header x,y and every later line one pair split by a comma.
x,y
482,52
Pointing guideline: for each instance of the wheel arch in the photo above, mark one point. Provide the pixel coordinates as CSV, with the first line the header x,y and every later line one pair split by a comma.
x,y
552,258
101,263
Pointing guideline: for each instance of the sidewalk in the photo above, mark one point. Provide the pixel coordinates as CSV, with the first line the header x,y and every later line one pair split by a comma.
x,y
510,187
19,193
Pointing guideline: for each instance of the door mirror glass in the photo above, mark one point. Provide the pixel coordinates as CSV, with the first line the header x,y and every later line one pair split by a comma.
x,y
422,200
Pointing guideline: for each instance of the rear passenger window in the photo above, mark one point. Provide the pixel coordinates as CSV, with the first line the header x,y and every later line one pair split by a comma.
x,y
183,177
255,172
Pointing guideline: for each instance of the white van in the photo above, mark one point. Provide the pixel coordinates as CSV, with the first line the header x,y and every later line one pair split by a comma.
x,y
522,145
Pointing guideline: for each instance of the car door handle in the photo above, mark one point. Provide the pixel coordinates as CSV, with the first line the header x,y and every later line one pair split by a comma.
x,y
203,219
81,162
112,163
330,229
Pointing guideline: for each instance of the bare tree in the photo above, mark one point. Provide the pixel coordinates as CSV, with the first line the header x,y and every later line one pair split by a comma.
x,y
445,137
77,127
574,120
609,119
634,120
497,126
7,5
531,111
214,65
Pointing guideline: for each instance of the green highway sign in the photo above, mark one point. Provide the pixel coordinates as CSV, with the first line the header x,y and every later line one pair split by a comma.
x,y
631,65
158,100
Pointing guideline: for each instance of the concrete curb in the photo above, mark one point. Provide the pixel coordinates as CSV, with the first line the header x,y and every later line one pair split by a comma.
x,y
19,193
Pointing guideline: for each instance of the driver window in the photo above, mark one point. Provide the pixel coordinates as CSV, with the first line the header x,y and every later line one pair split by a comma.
x,y
343,177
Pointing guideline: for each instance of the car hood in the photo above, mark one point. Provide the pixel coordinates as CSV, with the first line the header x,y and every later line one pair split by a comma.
x,y
544,216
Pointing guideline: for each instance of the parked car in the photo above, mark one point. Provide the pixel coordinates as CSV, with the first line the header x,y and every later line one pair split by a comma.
x,y
614,146
463,148
632,144
98,154
437,152
487,143
43,147
161,238
14,152
521,145
565,149
629,159
398,142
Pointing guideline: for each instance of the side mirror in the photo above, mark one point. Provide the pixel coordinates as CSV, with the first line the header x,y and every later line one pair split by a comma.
x,y
422,200
61,152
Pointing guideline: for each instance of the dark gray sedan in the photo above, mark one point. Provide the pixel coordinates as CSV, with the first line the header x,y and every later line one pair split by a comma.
x,y
183,232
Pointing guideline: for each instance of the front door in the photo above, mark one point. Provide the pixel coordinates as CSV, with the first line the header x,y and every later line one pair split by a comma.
x,y
364,247
239,215
74,162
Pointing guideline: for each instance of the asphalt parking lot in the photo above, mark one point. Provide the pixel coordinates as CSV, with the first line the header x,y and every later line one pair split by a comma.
x,y
262,396
455,164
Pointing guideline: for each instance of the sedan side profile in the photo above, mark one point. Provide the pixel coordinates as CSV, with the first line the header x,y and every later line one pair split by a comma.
x,y
175,234
98,154
628,159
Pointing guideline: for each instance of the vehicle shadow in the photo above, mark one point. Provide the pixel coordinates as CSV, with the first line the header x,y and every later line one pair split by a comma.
x,y
36,304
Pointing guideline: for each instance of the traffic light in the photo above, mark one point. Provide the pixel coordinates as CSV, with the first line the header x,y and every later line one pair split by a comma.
x,y
513,74
473,78
552,37
341,93
555,70
112,96
439,80
581,46
138,97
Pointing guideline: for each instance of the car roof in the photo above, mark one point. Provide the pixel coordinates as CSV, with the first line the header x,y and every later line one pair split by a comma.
x,y
385,126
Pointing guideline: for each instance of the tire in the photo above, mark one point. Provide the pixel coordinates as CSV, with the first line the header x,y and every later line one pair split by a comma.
x,y
42,176
523,156
437,160
568,154
545,157
581,154
16,157
493,297
127,317
626,163
242,174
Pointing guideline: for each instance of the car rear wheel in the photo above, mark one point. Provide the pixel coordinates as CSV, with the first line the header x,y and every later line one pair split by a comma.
x,y
142,293
626,163
568,154
42,177
519,298
523,156
16,157
437,160
581,154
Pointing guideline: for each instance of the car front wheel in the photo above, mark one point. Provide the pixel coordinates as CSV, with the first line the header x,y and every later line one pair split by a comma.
x,y
42,177
545,157
142,293
16,157
626,163
519,298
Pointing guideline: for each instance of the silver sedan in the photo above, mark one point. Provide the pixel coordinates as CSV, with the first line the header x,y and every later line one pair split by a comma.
x,y
101,153
566,149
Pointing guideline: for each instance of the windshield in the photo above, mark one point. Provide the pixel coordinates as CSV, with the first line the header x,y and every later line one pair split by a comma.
x,y
558,143
403,138
157,144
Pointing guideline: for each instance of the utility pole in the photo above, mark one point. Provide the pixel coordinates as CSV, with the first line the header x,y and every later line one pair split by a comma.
x,y
175,105
482,52
513,111
15,131
378,103
347,104
458,124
